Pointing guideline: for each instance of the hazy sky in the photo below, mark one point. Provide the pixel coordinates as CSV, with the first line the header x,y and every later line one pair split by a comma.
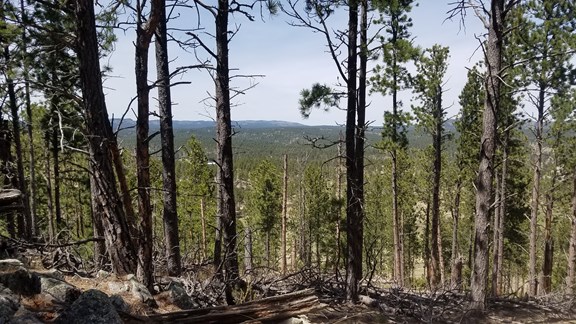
x,y
290,59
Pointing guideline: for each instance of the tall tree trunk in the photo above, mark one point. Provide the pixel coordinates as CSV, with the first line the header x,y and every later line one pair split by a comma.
x,y
224,151
535,201
487,151
29,123
5,162
436,275
170,216
48,178
284,212
548,239
248,266
571,277
203,224
99,133
144,32
456,261
23,220
354,245
427,252
498,244
339,211
56,177
100,256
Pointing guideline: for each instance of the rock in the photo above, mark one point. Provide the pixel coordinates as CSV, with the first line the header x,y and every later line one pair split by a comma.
x,y
24,316
119,304
52,273
19,279
116,287
92,307
140,292
103,274
10,265
302,319
179,297
9,304
60,290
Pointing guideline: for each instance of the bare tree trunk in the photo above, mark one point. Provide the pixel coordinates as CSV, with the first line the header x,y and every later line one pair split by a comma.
x,y
427,252
144,32
100,256
170,215
339,212
99,133
224,150
354,244
56,176
456,261
24,219
284,212
248,265
571,278
485,175
203,223
548,240
436,266
29,122
48,178
499,221
535,202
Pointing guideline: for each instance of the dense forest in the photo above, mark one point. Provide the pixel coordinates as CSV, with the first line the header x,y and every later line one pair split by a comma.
x,y
482,203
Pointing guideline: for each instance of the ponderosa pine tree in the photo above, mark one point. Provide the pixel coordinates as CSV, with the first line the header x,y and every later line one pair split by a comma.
x,y
431,116
391,77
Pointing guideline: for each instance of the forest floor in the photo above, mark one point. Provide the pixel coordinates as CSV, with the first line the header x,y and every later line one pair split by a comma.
x,y
327,305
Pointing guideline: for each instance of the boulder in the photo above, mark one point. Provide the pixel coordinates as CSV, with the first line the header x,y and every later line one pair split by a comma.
x,y
178,296
140,292
24,316
60,290
119,304
18,279
92,307
9,304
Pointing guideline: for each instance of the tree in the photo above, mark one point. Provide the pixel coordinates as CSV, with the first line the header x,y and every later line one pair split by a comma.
x,y
266,198
170,212
99,133
391,77
431,115
468,127
546,42
493,18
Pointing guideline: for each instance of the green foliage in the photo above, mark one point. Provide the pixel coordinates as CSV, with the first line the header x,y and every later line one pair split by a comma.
x,y
318,96
266,196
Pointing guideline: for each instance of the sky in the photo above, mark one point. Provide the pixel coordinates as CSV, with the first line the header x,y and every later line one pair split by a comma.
x,y
287,59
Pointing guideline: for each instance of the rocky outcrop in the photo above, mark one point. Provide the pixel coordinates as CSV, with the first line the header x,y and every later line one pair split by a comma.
x,y
60,290
18,279
92,307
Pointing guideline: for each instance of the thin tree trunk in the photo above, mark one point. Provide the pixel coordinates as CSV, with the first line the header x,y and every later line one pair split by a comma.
x,y
48,178
427,252
339,211
571,278
248,266
24,218
498,245
6,161
224,150
284,212
203,223
144,32
56,176
354,246
548,240
535,202
478,285
170,215
99,134
100,256
29,127
456,264
436,274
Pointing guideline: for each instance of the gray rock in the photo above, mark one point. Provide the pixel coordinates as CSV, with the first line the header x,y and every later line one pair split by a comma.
x,y
24,316
9,304
9,265
92,307
52,273
20,280
60,290
119,304
140,292
179,297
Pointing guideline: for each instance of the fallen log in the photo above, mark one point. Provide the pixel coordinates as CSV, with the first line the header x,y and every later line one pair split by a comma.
x,y
270,309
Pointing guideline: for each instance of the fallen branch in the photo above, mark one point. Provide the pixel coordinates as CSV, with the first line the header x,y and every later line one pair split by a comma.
x,y
274,308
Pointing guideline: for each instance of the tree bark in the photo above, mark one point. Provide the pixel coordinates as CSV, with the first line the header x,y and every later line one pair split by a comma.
x,y
284,212
170,215
535,201
354,245
571,278
456,261
144,32
498,253
203,224
248,266
99,131
436,275
56,177
548,239
485,175
224,150
24,218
